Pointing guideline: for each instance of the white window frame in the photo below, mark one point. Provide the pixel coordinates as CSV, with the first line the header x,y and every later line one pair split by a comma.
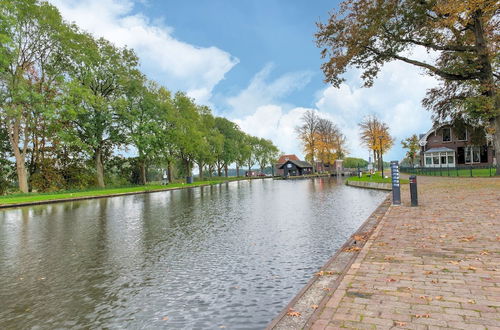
x,y
442,134
447,154
470,151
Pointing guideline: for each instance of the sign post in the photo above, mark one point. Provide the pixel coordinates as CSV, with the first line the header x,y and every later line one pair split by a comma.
x,y
396,189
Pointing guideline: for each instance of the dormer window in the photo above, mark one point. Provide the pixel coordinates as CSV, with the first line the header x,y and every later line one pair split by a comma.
x,y
462,135
446,134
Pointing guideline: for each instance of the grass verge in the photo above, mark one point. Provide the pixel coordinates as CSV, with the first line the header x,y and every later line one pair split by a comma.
x,y
456,172
62,195
377,177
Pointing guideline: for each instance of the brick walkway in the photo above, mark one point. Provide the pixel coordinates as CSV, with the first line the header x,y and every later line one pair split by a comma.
x,y
431,267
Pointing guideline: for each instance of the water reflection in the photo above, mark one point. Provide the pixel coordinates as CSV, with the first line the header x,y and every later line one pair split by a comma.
x,y
230,255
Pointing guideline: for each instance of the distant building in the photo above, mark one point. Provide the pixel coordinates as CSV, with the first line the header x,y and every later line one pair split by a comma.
x,y
281,161
446,146
295,168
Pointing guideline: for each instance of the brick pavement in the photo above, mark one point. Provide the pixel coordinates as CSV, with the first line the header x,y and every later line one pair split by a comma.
x,y
431,267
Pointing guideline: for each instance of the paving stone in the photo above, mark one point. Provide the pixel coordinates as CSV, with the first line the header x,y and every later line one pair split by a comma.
x,y
427,267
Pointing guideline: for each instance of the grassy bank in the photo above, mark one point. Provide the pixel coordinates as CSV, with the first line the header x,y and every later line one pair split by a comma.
x,y
452,171
377,177
62,195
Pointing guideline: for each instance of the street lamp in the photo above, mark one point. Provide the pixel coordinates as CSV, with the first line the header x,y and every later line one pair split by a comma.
x,y
381,153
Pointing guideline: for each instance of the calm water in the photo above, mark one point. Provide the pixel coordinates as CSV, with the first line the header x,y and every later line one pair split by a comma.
x,y
229,256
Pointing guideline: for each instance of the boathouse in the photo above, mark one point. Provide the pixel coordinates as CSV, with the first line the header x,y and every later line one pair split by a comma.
x,y
293,167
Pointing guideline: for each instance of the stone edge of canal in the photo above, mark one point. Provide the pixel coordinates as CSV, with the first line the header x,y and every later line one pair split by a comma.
x,y
320,288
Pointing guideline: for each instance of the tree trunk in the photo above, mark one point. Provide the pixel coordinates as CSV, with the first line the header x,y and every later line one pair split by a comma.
x,y
142,172
496,142
237,170
219,170
22,175
188,168
225,170
169,171
200,166
210,170
99,168
20,156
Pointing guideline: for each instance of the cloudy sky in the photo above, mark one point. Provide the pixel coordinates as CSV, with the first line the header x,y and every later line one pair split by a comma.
x,y
256,63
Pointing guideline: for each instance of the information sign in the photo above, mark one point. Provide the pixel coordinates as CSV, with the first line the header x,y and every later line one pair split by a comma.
x,y
396,189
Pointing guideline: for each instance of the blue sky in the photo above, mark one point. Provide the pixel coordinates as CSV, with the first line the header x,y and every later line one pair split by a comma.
x,y
255,62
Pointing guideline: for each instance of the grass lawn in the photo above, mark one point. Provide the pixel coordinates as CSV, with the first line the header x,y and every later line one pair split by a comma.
x,y
377,177
38,197
463,172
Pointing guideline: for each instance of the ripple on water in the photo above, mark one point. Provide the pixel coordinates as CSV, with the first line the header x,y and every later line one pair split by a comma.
x,y
230,255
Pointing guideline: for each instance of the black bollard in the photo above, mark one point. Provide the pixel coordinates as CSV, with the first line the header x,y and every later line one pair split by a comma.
x,y
413,190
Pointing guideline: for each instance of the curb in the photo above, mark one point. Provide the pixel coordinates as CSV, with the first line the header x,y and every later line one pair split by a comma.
x,y
370,185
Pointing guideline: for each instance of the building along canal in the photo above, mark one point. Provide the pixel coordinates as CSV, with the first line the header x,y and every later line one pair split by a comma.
x,y
231,255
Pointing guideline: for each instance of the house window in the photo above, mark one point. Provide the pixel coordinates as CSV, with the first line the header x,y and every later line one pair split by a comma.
x,y
446,134
484,154
435,159
461,135
460,155
428,160
443,158
451,158
475,155
472,154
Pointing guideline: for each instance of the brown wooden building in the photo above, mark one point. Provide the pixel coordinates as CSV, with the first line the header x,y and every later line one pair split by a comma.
x,y
294,167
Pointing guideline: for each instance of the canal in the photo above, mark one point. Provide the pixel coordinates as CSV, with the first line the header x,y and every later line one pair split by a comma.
x,y
226,256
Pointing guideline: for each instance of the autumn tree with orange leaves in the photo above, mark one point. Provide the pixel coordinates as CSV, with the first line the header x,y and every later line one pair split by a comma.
x,y
464,36
376,137
321,139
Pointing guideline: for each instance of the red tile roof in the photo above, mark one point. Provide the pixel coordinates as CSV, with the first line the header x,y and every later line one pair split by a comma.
x,y
284,158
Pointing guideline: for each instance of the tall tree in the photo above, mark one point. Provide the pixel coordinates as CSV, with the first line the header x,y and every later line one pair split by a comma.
x,y
100,76
265,152
464,34
413,147
186,135
330,142
147,107
230,131
32,61
244,151
376,137
307,133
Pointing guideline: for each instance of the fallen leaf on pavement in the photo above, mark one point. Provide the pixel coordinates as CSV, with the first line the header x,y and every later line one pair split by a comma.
x,y
352,249
293,313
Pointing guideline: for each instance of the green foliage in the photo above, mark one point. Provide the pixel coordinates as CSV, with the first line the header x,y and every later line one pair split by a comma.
x,y
71,101
413,147
351,162
463,35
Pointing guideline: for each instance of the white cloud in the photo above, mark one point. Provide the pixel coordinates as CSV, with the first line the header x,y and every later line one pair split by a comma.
x,y
176,64
395,98
260,91
272,122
